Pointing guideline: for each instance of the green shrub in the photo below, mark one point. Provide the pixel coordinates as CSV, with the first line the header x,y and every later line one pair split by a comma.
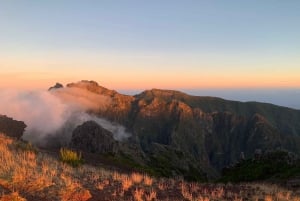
x,y
272,165
25,146
70,157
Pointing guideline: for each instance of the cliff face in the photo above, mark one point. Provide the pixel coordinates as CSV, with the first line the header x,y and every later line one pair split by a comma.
x,y
211,130
185,134
120,105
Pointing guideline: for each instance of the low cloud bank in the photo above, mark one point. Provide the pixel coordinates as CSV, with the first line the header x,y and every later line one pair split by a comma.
x,y
56,113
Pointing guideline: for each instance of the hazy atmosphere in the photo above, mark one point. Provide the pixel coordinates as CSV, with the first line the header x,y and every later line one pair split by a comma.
x,y
157,44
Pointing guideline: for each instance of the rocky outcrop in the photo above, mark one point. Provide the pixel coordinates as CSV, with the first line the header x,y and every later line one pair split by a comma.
x,y
11,127
92,86
56,86
91,137
120,107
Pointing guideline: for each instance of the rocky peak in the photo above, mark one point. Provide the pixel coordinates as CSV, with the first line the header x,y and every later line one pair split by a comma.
x,y
166,95
56,86
93,86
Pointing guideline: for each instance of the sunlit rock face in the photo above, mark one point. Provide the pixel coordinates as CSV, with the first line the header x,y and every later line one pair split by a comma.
x,y
118,107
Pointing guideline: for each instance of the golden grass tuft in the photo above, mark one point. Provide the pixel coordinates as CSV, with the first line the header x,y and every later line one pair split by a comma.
x,y
126,183
151,195
138,194
136,177
148,180
76,195
70,157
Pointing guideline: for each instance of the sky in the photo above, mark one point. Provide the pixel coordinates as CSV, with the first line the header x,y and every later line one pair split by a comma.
x,y
133,44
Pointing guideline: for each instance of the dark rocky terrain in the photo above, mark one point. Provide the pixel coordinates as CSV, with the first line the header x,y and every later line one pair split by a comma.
x,y
11,127
91,137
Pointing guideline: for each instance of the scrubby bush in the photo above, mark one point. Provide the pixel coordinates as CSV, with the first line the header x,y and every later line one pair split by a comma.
x,y
25,146
70,157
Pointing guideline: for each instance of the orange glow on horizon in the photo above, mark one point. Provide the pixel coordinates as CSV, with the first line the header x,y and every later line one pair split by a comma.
x,y
122,71
42,81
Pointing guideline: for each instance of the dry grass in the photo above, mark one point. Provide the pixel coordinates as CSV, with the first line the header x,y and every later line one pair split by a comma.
x,y
151,195
32,175
268,198
138,194
126,183
14,196
148,180
136,177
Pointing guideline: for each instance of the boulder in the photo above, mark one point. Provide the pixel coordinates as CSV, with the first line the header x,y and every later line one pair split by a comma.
x,y
11,127
91,137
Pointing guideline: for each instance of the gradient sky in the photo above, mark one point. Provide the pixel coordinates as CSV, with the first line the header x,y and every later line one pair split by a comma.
x,y
151,44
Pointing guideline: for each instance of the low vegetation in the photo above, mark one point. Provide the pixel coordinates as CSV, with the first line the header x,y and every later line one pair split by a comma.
x,y
276,166
70,157
35,175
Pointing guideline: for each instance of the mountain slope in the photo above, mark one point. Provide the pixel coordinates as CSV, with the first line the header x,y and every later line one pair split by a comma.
x,y
180,133
28,173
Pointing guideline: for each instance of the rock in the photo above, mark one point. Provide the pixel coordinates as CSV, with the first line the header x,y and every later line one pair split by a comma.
x,y
92,86
56,86
242,156
120,106
11,127
91,137
257,153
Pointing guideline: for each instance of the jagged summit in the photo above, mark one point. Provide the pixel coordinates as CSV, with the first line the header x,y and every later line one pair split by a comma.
x,y
56,86
161,93
92,86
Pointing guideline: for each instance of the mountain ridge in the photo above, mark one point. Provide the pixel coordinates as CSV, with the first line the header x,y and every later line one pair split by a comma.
x,y
194,136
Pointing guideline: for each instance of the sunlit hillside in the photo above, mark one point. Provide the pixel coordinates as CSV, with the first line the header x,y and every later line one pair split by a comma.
x,y
27,173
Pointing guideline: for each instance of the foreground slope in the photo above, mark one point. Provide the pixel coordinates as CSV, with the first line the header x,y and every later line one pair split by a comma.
x,y
27,173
